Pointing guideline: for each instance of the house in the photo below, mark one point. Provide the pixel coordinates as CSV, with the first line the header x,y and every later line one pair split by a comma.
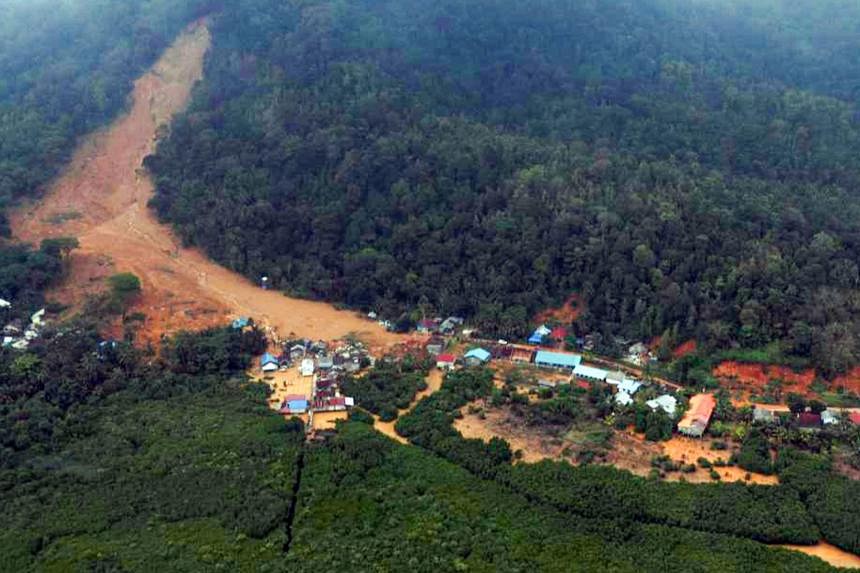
x,y
5,303
809,421
38,318
764,416
629,386
427,326
372,315
450,324
623,399
325,362
551,384
445,361
590,373
522,355
435,345
351,366
319,347
12,329
104,348
21,344
665,402
558,360
297,351
294,404
241,322
558,333
539,334
854,418
638,354
830,417
697,417
285,361
615,378
307,367
477,356
268,363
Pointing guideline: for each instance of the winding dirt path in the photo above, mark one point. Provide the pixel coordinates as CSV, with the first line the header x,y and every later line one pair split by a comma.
x,y
101,199
434,382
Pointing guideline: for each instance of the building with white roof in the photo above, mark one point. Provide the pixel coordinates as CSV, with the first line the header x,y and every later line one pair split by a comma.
x,y
623,399
666,402
307,367
590,373
629,386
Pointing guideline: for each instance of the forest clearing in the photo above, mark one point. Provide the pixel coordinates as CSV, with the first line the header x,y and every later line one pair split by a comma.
x,y
101,198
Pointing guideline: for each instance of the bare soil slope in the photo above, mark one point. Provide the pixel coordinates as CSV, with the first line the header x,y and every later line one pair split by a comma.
x,y
102,199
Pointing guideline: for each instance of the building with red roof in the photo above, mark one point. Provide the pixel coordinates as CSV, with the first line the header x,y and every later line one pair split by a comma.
x,y
558,333
445,361
809,420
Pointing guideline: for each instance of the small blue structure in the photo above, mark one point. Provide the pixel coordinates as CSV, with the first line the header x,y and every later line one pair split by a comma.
x,y
241,323
477,356
557,359
268,363
297,406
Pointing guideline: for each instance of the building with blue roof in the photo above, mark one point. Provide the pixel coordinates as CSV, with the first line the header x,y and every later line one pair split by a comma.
x,y
241,323
561,360
477,356
297,406
268,363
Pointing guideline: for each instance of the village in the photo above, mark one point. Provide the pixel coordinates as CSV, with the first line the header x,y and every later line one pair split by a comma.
x,y
304,377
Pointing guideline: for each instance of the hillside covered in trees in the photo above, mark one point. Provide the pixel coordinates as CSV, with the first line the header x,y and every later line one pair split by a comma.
x,y
681,165
66,68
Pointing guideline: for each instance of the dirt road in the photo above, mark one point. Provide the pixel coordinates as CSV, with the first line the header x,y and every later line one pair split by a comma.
x,y
102,196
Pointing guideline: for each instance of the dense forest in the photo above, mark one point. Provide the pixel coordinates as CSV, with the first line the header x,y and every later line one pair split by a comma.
x,y
112,461
24,275
164,464
65,69
369,504
687,167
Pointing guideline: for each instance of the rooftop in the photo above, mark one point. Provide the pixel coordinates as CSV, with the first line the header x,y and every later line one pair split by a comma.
x,y
478,353
700,411
558,358
590,372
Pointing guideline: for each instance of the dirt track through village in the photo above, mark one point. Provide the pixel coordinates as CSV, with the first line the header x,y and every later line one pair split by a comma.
x,y
101,198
